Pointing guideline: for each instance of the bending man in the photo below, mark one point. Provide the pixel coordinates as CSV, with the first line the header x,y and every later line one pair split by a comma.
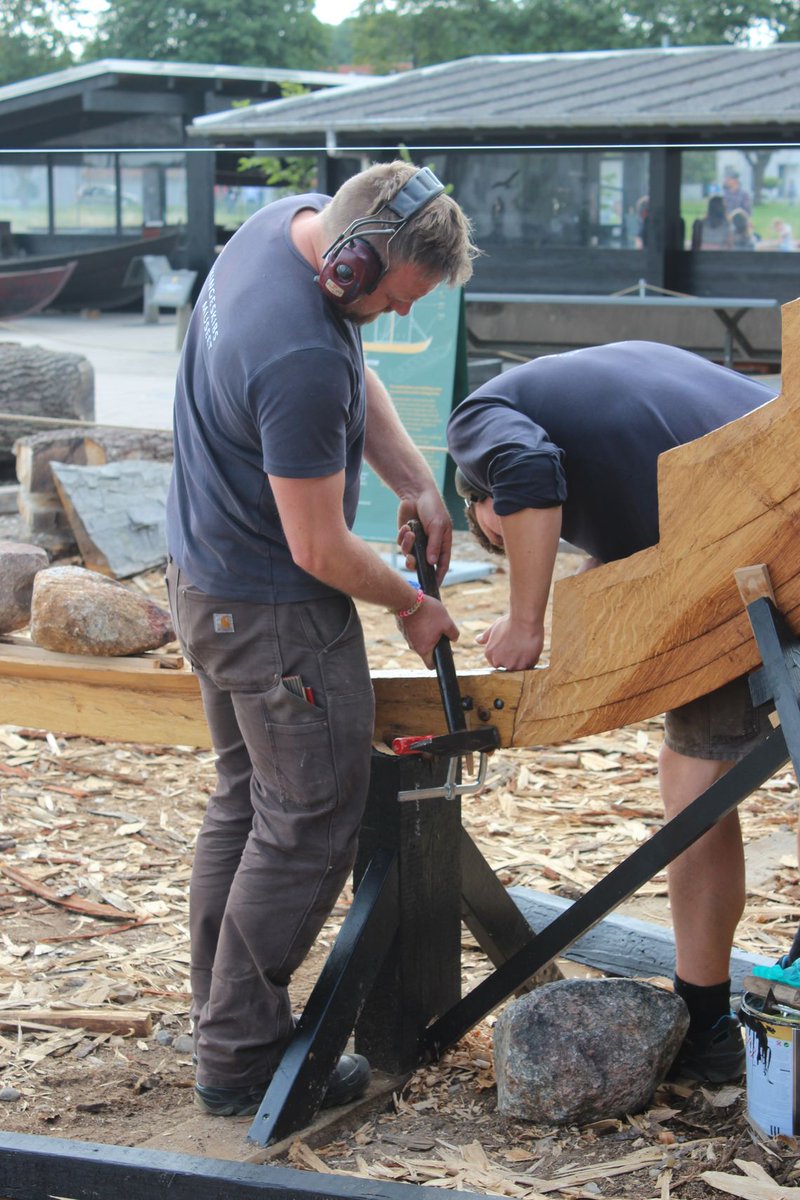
x,y
567,446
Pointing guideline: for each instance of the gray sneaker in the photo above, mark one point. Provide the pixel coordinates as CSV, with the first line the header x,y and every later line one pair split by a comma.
x,y
715,1055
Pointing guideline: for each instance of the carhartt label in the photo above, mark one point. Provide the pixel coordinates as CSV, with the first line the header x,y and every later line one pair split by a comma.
x,y
223,623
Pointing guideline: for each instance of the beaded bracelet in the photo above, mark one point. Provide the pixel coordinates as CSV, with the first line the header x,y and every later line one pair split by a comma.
x,y
409,612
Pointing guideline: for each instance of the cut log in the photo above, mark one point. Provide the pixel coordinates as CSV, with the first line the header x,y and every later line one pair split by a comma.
x,y
115,445
35,453
41,383
117,513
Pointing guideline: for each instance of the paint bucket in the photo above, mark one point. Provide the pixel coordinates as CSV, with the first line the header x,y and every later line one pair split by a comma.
x,y
773,1071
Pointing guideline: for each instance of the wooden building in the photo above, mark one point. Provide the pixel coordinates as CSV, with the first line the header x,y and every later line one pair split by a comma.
x,y
583,174
101,150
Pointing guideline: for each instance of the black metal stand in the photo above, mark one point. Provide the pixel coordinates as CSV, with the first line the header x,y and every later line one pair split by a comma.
x,y
394,973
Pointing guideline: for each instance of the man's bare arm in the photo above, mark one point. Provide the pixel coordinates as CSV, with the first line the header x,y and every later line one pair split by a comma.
x,y
321,544
530,538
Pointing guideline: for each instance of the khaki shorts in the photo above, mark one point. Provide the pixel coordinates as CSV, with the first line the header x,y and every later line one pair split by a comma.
x,y
723,725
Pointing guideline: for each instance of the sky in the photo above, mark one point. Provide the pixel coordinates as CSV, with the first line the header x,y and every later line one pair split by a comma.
x,y
334,11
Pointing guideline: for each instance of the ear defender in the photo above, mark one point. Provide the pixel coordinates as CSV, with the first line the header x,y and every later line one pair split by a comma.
x,y
352,270
352,266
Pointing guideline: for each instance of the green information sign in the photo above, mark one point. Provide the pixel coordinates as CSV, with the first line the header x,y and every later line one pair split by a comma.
x,y
422,361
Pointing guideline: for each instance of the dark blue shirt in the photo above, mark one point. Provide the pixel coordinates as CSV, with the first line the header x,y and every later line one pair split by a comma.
x,y
271,381
584,430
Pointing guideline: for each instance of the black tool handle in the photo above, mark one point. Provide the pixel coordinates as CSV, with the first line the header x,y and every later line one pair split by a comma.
x,y
443,651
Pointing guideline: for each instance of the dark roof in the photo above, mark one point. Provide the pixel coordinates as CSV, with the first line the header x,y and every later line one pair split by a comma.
x,y
677,88
60,107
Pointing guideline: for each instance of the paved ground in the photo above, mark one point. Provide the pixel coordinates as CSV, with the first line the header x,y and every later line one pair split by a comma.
x,y
134,363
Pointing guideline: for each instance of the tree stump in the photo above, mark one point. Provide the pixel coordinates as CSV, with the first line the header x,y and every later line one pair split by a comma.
x,y
35,382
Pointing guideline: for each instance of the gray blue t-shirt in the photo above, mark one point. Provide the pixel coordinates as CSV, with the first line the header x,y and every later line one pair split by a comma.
x,y
584,430
271,381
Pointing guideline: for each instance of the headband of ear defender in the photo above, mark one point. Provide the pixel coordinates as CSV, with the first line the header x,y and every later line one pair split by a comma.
x,y
352,267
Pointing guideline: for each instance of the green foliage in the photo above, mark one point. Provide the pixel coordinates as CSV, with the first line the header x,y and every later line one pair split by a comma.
x,y
387,33
293,173
32,38
275,33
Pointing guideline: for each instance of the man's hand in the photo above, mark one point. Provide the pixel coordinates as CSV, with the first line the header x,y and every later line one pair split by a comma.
x,y
511,645
429,509
424,628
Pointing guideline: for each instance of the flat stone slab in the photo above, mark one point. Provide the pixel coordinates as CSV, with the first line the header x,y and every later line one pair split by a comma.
x,y
117,513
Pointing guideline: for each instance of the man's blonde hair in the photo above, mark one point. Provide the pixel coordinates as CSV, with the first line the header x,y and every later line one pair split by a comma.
x,y
437,239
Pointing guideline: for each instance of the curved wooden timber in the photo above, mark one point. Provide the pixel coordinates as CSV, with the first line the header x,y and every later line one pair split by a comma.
x,y
629,640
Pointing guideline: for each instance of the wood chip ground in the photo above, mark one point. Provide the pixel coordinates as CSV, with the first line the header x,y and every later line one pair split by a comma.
x,y
95,855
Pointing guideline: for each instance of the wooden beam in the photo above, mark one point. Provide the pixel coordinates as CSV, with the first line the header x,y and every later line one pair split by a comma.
x,y
622,945
126,1022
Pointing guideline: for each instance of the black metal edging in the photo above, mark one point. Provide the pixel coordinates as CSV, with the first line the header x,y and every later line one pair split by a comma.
x,y
38,1168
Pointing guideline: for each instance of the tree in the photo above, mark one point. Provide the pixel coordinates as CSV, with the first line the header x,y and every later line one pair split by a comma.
x,y
275,33
422,32
685,23
385,33
33,39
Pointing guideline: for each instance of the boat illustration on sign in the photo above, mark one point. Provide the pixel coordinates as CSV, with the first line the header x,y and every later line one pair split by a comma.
x,y
397,335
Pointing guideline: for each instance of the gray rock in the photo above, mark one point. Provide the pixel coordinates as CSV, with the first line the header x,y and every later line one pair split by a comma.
x,y
164,1038
18,566
183,1044
76,611
580,1050
9,1093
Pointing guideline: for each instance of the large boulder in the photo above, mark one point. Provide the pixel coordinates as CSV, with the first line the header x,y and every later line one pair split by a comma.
x,y
19,564
76,611
580,1050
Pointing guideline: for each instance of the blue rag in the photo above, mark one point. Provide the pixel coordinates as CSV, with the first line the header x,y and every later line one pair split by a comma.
x,y
778,974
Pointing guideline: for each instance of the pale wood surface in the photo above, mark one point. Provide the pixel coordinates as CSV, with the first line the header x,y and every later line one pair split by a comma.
x,y
630,639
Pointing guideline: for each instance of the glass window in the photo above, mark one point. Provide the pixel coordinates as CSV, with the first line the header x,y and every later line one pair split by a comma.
x,y
234,203
85,193
153,190
23,197
551,198
745,199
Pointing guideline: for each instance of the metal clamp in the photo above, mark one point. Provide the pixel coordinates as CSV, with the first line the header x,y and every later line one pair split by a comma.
x,y
450,788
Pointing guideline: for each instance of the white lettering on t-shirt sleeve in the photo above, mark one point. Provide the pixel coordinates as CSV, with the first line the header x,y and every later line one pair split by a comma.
x,y
210,325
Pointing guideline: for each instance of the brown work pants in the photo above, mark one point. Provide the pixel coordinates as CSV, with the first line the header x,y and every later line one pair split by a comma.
x,y
280,831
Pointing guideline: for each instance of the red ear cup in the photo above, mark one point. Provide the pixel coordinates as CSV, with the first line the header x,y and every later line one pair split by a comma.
x,y
351,271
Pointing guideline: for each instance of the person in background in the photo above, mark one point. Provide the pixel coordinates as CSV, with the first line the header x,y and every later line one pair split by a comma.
x,y
567,445
742,234
783,235
275,412
734,194
713,231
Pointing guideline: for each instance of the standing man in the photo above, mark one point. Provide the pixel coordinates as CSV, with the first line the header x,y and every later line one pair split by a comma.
x,y
567,445
734,195
275,411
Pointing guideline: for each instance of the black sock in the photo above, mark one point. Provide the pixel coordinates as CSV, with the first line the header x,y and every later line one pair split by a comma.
x,y
706,1004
